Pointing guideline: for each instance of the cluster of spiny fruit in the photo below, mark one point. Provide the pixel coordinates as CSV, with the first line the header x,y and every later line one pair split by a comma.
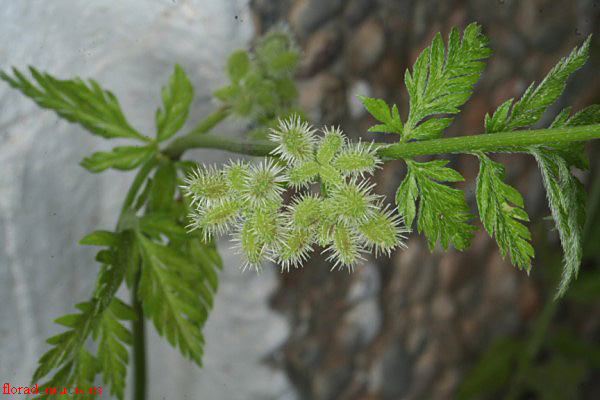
x,y
345,218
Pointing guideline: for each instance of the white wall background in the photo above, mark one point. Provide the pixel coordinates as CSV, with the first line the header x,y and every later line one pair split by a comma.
x,y
48,202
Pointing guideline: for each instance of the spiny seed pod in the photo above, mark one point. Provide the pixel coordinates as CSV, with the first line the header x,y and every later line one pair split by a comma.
x,y
327,223
353,203
356,159
383,231
263,183
267,223
250,246
236,173
304,212
206,186
218,218
345,248
296,140
294,248
332,140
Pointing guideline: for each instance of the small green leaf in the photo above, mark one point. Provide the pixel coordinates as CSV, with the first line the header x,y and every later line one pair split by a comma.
x,y
286,89
100,238
431,128
106,257
112,353
176,102
381,112
158,223
285,61
442,81
406,198
566,199
122,158
276,55
565,194
499,217
443,211
169,296
586,116
437,170
536,99
70,321
79,372
573,152
227,93
497,121
163,188
237,65
122,311
207,257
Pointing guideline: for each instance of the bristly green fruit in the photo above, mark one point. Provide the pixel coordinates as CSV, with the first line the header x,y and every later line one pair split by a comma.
x,y
347,220
295,139
262,184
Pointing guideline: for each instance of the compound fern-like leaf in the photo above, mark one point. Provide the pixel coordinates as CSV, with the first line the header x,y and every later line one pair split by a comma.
x,y
501,210
443,211
112,353
169,297
442,81
176,102
89,105
536,99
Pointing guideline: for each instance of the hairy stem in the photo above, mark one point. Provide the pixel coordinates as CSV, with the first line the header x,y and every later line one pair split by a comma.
x,y
517,141
209,122
502,142
139,344
231,144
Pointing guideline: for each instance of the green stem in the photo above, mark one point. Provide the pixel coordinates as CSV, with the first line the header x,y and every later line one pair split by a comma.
x,y
231,144
209,122
517,141
126,218
137,183
139,344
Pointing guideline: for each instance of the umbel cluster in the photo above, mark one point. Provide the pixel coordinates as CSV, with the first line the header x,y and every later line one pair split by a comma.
x,y
345,218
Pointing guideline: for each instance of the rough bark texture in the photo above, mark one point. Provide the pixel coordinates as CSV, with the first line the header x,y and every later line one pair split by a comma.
x,y
409,327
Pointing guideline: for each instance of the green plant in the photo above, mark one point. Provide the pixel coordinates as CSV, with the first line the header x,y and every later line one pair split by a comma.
x,y
172,272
